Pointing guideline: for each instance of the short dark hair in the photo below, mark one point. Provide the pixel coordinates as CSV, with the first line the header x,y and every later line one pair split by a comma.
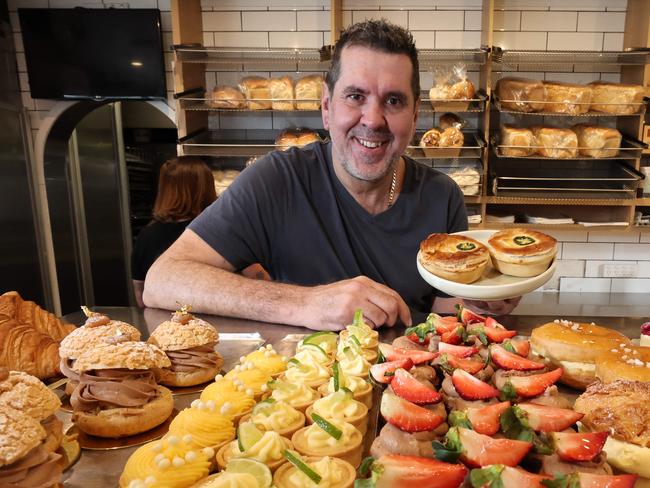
x,y
380,35
185,188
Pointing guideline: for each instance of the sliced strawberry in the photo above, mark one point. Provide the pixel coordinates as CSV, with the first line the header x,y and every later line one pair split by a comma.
x,y
505,477
458,351
486,420
384,372
508,360
518,346
406,386
420,333
449,362
533,385
397,471
413,337
408,416
497,335
466,316
546,419
470,387
418,357
480,450
454,336
589,480
578,446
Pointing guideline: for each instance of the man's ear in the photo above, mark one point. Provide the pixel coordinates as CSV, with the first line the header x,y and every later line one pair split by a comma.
x,y
325,106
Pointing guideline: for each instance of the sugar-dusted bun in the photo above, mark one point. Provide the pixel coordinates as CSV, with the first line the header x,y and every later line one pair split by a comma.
x,y
90,335
179,378
454,257
128,355
126,421
522,252
28,394
624,363
174,336
19,434
574,347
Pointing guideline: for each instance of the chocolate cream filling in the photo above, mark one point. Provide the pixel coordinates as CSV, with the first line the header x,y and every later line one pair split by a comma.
x,y
37,469
193,358
66,369
114,388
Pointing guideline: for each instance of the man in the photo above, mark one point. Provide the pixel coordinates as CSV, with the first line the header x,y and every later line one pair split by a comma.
x,y
336,225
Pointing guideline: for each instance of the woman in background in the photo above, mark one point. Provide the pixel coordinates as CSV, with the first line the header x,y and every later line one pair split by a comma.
x,y
185,188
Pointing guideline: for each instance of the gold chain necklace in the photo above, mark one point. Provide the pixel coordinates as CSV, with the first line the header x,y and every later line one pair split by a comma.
x,y
393,186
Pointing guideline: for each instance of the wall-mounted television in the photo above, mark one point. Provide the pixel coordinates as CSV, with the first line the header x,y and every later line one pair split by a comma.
x,y
100,54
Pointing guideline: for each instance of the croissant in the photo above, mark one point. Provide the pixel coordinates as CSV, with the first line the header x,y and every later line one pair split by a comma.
x,y
23,348
29,313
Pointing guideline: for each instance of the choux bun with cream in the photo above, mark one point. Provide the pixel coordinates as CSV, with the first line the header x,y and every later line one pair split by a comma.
x,y
574,347
189,344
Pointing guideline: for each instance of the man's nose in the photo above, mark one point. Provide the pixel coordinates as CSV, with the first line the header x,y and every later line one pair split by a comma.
x,y
373,114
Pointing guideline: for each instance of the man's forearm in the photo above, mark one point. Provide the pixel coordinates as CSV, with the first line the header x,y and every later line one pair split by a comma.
x,y
212,290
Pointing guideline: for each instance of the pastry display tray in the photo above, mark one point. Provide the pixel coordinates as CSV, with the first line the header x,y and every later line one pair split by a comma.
x,y
203,104
472,148
639,107
586,179
629,149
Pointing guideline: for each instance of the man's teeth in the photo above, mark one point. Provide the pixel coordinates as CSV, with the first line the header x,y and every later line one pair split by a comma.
x,y
369,144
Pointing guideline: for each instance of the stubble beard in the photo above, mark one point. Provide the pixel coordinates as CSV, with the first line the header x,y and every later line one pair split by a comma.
x,y
351,169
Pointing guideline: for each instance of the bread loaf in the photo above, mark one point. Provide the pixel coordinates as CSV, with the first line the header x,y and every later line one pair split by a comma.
x,y
226,97
597,142
12,306
567,98
521,94
309,91
555,143
516,136
616,98
257,92
282,93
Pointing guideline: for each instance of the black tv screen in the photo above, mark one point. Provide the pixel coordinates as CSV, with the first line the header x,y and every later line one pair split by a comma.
x,y
82,53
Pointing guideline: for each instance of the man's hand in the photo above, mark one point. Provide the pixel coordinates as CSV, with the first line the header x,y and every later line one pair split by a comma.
x,y
332,307
495,307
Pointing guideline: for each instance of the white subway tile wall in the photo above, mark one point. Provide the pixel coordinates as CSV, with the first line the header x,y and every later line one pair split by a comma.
x,y
519,24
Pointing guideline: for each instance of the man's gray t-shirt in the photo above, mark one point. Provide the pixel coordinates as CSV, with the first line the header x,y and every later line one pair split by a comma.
x,y
290,213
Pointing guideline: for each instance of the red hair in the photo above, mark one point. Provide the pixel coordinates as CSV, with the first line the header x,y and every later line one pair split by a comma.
x,y
185,188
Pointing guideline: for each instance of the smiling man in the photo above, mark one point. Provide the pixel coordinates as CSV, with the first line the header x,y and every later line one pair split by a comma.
x,y
337,225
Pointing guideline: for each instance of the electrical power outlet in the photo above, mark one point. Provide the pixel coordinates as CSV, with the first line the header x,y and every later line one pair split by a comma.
x,y
619,271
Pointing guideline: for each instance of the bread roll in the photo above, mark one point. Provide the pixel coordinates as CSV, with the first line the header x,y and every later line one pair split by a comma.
x,y
451,137
307,137
597,142
226,97
567,98
257,92
282,89
463,90
295,137
309,89
516,136
616,98
431,138
521,94
555,143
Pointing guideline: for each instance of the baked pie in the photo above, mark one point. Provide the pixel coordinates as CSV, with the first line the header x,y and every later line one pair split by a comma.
x,y
454,257
522,252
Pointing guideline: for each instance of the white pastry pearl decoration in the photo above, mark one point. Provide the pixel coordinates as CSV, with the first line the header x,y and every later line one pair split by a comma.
x,y
250,392
164,463
265,387
136,484
218,377
225,408
208,451
187,438
158,458
242,359
190,456
157,447
269,347
173,440
268,354
178,462
150,480
210,404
